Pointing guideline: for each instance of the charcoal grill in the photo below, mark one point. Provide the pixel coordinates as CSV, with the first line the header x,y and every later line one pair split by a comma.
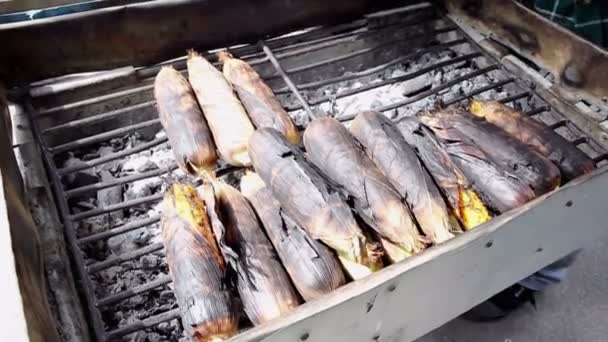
x,y
305,68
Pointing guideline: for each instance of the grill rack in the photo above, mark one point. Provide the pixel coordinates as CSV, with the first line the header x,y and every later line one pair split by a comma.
x,y
266,52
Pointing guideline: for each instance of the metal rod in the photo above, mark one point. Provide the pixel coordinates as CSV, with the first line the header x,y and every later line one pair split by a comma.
x,y
120,181
432,91
376,69
515,97
401,40
102,136
82,278
600,158
134,291
99,117
151,71
478,91
288,81
389,81
578,141
118,259
93,100
540,110
558,124
110,157
119,230
143,324
291,52
114,207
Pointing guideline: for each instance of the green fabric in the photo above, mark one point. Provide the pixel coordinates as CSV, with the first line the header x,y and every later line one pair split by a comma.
x,y
588,18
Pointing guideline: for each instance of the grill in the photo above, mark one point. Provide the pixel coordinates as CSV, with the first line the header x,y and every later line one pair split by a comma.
x,y
314,72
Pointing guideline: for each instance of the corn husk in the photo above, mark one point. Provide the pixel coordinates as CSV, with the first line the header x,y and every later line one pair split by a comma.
x,y
525,163
223,111
571,161
313,268
263,285
208,309
498,188
336,153
258,99
463,200
184,124
308,199
385,146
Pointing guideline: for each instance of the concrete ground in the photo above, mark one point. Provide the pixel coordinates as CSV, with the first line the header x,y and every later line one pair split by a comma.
x,y
574,311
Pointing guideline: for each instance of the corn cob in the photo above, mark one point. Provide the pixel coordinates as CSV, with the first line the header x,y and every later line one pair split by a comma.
x,y
225,114
525,163
464,201
197,268
184,123
311,202
571,161
263,285
313,268
498,187
385,146
336,153
258,99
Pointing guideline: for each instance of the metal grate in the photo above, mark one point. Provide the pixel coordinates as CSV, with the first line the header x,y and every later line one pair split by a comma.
x,y
296,67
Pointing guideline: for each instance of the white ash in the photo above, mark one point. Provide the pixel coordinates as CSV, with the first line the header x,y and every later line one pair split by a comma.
x,y
399,91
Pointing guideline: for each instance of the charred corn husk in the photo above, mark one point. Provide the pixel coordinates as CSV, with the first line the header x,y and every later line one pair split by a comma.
x,y
520,160
184,123
337,154
225,114
311,202
385,146
500,189
263,285
258,99
313,268
571,161
464,201
207,308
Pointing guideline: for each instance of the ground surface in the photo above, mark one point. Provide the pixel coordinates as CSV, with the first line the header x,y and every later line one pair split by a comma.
x,y
574,311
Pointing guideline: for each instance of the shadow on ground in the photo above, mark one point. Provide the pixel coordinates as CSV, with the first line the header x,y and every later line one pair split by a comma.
x,y
574,311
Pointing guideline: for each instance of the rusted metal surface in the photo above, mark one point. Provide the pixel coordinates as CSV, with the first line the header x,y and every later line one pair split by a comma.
x,y
147,33
25,242
578,65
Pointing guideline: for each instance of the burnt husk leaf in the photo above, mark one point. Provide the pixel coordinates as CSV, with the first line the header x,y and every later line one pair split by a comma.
x,y
338,155
572,162
183,121
207,304
263,285
308,199
385,146
505,151
313,268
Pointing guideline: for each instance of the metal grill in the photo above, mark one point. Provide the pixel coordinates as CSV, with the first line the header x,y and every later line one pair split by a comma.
x,y
296,66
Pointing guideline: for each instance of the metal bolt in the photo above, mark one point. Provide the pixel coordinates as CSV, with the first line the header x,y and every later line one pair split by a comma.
x,y
489,244
573,76
569,203
539,249
392,287
304,336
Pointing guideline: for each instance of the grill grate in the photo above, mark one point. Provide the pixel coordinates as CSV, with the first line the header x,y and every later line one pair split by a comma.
x,y
272,58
